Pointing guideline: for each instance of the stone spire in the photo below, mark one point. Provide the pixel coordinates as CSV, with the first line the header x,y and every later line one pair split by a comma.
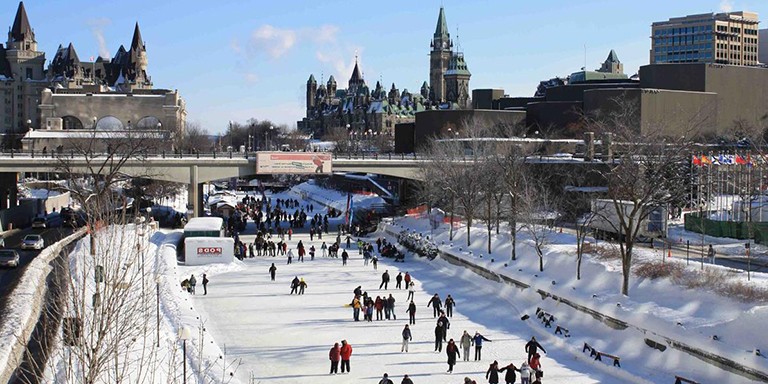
x,y
21,36
137,43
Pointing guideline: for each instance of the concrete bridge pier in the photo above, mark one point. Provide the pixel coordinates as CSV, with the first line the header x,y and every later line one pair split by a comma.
x,y
194,193
9,194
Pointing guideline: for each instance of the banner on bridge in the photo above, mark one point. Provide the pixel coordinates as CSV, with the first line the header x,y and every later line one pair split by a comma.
x,y
293,162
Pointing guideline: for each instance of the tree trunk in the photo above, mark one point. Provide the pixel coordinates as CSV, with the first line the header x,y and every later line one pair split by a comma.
x,y
450,236
540,253
469,230
490,225
626,268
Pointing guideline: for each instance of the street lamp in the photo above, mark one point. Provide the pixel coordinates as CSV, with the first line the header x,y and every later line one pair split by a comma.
x,y
185,334
269,138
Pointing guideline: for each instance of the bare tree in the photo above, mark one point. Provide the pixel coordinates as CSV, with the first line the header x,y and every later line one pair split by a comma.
x,y
340,137
538,209
645,171
194,139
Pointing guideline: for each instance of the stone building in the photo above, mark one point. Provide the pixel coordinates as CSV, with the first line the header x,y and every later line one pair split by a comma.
x,y
361,109
72,94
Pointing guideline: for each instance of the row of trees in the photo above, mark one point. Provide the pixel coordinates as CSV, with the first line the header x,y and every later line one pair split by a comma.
x,y
492,181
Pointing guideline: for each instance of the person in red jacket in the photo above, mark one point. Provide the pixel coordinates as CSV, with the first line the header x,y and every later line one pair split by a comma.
x,y
335,356
346,353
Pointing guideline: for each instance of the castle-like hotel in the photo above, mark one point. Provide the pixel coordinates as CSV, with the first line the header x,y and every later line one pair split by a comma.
x,y
359,108
78,95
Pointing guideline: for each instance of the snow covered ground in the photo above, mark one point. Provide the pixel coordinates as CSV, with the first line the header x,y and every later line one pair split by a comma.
x,y
659,307
250,330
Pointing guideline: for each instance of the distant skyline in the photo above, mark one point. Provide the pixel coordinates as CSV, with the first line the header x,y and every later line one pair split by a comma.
x,y
237,60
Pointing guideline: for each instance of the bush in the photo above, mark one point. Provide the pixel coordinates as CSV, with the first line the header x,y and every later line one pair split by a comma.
x,y
603,252
658,269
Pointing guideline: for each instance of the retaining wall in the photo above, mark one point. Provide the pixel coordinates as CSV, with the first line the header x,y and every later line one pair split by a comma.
x,y
27,302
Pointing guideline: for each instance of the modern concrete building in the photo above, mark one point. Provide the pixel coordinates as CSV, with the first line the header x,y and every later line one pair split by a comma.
x,y
762,46
70,94
722,38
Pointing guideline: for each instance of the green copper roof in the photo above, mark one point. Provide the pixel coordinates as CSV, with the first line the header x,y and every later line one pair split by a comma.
x,y
612,57
442,26
311,80
457,65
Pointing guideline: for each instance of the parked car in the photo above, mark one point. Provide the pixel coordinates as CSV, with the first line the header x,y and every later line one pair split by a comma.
x,y
33,242
9,258
39,222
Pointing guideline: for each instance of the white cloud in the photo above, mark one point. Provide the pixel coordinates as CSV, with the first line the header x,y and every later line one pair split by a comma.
x,y
324,34
342,62
251,78
275,41
726,5
97,26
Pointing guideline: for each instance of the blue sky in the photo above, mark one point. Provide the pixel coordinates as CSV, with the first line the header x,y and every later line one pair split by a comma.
x,y
232,60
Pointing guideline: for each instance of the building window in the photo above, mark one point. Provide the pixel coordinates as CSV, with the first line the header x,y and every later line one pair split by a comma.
x,y
29,73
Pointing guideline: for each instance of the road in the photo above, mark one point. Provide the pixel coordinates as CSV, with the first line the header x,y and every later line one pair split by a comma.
x,y
9,277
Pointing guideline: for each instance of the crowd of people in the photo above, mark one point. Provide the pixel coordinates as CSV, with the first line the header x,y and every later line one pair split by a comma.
x,y
270,241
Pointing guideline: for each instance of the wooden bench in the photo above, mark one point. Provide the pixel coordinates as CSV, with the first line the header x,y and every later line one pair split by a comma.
x,y
599,355
560,330
681,380
545,317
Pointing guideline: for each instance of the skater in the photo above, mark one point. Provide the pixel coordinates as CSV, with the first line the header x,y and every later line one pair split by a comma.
x,y
478,343
379,304
406,380
536,366
295,285
324,248
411,313
446,324
449,304
407,279
406,338
272,271
391,306
525,374
411,290
290,255
439,337
205,284
334,355
312,252
492,374
399,280
711,254
344,257
532,347
346,353
385,380
452,351
302,285
384,280
356,305
466,343
192,283
510,377
290,232
436,303
375,261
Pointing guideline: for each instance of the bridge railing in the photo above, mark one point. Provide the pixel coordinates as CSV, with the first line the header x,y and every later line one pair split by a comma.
x,y
63,154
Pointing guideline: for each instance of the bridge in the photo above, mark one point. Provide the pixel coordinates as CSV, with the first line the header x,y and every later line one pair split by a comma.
x,y
195,169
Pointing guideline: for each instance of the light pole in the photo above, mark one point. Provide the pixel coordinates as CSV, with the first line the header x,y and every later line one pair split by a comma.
x,y
269,143
184,335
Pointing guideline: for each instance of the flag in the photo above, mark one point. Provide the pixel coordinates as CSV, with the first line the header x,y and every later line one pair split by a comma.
x,y
749,160
696,160
705,160
740,160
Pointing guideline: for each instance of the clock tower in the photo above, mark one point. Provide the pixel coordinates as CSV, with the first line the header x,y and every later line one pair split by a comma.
x,y
439,58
